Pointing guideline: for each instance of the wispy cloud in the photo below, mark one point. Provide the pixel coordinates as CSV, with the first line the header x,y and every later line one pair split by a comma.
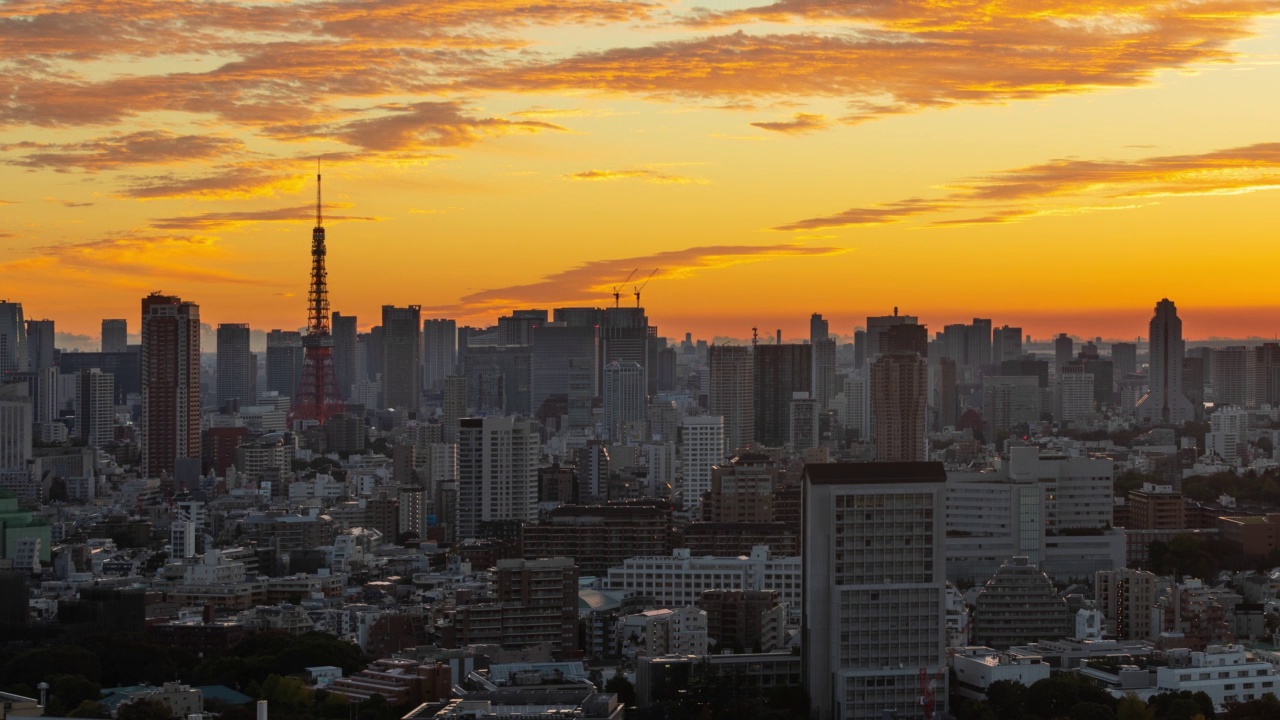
x,y
150,147
1073,186
591,282
644,175
798,125
221,220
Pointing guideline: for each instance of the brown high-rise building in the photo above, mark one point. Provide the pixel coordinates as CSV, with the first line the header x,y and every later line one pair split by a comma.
x,y
170,382
730,396
899,404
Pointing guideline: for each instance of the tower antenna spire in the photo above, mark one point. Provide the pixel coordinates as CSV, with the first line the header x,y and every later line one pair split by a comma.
x,y
319,218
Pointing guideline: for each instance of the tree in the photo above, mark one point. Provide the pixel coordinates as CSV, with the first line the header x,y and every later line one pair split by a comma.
x,y
1132,708
620,685
90,709
1265,708
74,690
1092,711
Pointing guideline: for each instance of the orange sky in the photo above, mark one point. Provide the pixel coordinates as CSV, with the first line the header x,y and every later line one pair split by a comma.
x,y
1055,165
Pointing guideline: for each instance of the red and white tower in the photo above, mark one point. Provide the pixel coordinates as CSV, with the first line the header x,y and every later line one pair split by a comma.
x,y
317,398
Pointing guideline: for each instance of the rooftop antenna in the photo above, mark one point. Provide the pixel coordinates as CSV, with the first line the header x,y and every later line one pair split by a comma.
x,y
755,337
319,218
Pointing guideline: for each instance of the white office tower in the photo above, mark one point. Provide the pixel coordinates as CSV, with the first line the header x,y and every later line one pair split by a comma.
x,y
1164,403
701,447
1228,435
624,398
13,338
95,407
497,472
873,630
182,539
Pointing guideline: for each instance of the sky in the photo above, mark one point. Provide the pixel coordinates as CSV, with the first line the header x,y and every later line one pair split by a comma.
x,y
1058,166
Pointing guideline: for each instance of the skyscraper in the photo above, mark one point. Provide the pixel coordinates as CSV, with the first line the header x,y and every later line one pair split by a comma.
x,y
115,335
440,353
15,428
779,372
730,395
1164,403
345,349
284,361
873,627
824,361
1063,352
95,407
899,398
13,339
454,406
497,472
564,364
402,357
170,382
40,344
237,371
701,448
624,397
1124,356
1006,344
40,352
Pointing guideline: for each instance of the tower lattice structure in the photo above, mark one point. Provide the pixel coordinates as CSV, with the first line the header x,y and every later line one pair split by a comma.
x,y
317,397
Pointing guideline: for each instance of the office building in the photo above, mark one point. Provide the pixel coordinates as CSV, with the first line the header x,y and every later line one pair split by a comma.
x,y
170,383
779,372
497,472
899,405
1063,353
237,369
805,432
1124,357
285,356
1006,344
1020,605
701,449
453,407
824,361
564,365
730,395
40,344
1234,371
624,398
874,620
1164,403
1010,401
346,351
402,357
440,353
95,407
115,336
13,339
947,389
680,579
15,428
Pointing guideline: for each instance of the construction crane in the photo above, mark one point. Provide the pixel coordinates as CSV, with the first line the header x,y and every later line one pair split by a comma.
x,y
641,286
617,289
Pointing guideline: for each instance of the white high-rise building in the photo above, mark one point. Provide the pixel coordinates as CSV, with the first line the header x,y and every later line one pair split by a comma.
x,y
1228,434
874,619
497,472
1164,403
624,397
701,448
95,407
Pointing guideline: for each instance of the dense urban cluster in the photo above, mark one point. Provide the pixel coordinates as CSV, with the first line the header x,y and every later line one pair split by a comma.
x,y
567,514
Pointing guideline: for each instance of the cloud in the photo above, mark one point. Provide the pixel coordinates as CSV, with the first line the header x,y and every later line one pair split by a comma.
x,y
801,123
131,259
1072,186
592,282
150,147
651,176
219,220
235,181
74,341
426,125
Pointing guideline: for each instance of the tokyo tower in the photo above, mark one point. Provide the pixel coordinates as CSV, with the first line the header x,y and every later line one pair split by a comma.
x,y
317,398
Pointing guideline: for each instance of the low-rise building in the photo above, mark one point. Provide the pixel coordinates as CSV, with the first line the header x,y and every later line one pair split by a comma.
x,y
977,667
682,631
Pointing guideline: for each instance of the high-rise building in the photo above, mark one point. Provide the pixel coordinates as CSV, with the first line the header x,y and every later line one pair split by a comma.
x,y
878,330
730,395
115,335
345,350
1019,605
873,628
624,396
40,344
1009,401
625,335
824,361
453,406
1006,344
237,371
1164,403
1063,352
13,339
980,341
780,371
899,401
15,428
1234,370
440,353
1266,382
1124,356
701,449
402,357
804,433
948,390
564,364
284,361
95,407
170,383
497,472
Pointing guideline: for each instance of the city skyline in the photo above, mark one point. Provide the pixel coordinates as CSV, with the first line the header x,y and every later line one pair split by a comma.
x,y
761,156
